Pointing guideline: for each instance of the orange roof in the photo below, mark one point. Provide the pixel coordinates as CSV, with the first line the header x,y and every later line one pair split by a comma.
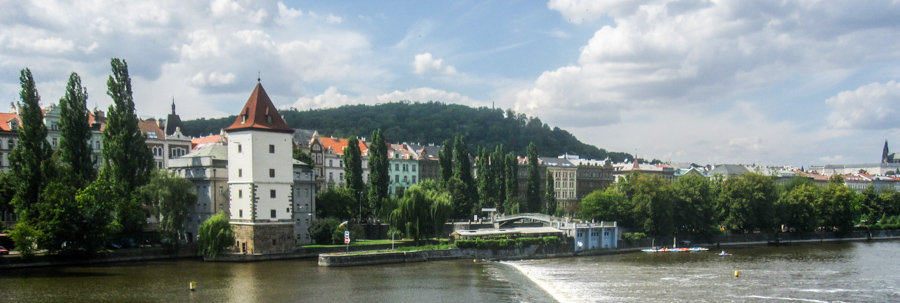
x,y
338,145
4,120
202,141
149,126
259,113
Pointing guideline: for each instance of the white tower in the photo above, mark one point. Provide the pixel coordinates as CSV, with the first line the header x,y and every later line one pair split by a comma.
x,y
260,175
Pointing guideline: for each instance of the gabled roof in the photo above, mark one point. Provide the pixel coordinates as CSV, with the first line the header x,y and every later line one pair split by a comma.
x,y
729,170
337,145
151,129
259,114
204,141
5,118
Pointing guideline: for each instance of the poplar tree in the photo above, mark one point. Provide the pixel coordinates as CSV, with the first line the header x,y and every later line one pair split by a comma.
x,y
485,179
353,173
463,171
75,132
30,160
445,161
127,162
533,194
550,196
379,177
498,173
512,180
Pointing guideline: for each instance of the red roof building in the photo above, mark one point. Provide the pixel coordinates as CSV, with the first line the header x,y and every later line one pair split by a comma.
x,y
259,113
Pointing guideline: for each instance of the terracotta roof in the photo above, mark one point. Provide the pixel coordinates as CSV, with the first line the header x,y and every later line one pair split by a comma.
x,y
259,113
151,129
338,145
203,141
4,120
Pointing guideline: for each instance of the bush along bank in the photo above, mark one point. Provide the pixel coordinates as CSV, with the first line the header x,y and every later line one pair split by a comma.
x,y
491,249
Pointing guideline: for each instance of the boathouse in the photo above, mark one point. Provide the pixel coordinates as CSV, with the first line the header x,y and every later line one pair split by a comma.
x,y
593,235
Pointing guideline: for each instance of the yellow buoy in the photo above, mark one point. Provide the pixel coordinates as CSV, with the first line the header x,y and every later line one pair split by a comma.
x,y
737,273
193,286
474,260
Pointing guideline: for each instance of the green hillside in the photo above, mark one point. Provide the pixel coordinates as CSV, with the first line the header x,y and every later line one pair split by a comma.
x,y
431,122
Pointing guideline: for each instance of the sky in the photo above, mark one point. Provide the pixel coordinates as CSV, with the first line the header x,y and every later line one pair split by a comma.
x,y
711,82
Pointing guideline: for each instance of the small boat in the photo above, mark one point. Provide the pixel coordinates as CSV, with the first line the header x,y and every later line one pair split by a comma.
x,y
723,254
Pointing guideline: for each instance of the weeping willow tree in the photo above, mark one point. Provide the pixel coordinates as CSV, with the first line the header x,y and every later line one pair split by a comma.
x,y
215,236
421,212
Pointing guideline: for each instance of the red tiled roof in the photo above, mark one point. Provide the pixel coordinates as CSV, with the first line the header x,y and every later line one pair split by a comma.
x,y
338,145
195,142
4,120
259,113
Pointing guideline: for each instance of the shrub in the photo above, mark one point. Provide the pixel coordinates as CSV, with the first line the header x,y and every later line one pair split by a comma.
x,y
552,240
633,236
481,244
321,229
465,243
25,236
528,241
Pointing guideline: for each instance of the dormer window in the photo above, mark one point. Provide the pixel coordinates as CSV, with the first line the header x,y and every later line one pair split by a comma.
x,y
245,115
268,117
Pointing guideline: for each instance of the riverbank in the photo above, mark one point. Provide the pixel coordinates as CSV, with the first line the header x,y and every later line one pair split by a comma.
x,y
113,256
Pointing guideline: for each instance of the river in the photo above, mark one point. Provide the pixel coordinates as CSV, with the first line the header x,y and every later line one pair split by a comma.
x,y
850,272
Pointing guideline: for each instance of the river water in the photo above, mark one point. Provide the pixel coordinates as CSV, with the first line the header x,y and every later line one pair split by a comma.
x,y
850,272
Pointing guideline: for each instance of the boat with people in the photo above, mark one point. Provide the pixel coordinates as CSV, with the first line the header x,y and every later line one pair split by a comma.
x,y
723,254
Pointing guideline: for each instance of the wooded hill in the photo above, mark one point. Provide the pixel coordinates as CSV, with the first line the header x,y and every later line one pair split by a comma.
x,y
430,122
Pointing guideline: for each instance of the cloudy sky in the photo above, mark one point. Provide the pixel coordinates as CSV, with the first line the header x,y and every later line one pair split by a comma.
x,y
766,82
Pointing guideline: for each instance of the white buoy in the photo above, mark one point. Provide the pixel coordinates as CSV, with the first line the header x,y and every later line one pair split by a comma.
x,y
193,286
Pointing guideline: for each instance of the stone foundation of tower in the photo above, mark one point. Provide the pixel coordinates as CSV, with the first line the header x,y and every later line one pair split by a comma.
x,y
263,238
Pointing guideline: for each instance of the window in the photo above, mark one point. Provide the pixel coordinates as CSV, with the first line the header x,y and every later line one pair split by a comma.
x,y
240,213
414,179
397,178
54,142
340,163
240,193
331,176
272,193
272,173
11,143
397,167
240,172
273,214
405,179
413,168
271,148
97,145
239,148
330,163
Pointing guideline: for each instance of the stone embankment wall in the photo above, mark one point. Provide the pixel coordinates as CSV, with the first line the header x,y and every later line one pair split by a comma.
x,y
121,255
518,253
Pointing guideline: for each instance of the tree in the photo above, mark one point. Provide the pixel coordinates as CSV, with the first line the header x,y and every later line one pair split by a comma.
x,y
550,196
462,171
512,182
445,161
485,179
651,201
745,202
835,209
78,221
693,198
353,173
417,211
301,156
796,208
170,199
336,202
215,235
321,229
533,193
30,158
26,237
127,160
379,176
75,132
606,205
498,174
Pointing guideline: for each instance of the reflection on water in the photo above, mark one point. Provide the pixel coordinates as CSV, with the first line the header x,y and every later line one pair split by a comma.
x,y
852,272
275,281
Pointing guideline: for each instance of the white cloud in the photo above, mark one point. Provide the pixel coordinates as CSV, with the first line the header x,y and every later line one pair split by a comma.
x,y
426,64
425,94
330,98
662,53
872,106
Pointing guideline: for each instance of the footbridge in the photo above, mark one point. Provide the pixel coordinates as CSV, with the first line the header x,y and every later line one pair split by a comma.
x,y
503,219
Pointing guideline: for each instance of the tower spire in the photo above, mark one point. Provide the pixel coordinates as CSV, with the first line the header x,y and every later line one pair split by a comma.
x,y
173,105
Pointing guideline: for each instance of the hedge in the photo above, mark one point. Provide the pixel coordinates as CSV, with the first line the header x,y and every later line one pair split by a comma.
x,y
506,243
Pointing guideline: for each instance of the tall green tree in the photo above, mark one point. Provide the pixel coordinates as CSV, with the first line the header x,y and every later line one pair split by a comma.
x,y
485,179
498,174
170,199
462,170
30,160
336,202
379,175
533,193
607,205
693,206
127,162
746,202
353,173
651,200
75,132
512,181
215,235
299,155
445,162
414,213
835,209
550,196
796,208
78,221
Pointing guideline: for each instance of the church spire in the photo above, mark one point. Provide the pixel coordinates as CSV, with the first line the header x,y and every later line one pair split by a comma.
x,y
173,105
885,154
